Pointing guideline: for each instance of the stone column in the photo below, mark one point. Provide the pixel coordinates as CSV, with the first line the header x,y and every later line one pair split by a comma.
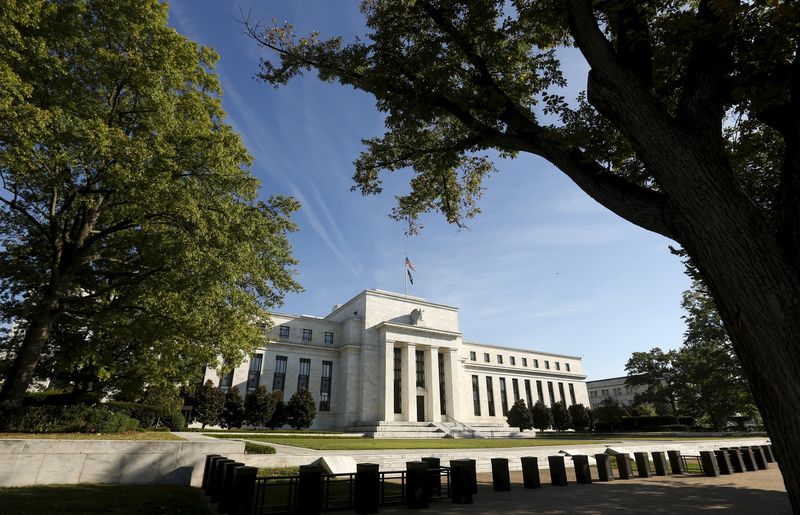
x,y
455,396
388,381
409,367
433,402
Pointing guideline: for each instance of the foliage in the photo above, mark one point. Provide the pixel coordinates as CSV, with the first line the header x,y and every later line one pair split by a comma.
x,y
301,410
135,248
259,405
541,416
208,404
66,419
608,416
279,417
257,448
520,416
167,396
561,417
149,416
233,414
654,369
580,417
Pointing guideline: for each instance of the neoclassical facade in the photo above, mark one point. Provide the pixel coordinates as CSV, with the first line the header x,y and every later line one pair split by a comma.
x,y
384,356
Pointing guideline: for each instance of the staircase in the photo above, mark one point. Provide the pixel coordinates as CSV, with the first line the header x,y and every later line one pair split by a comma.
x,y
392,429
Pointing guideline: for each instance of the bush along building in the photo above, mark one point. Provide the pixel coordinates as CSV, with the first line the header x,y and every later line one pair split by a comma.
x,y
388,364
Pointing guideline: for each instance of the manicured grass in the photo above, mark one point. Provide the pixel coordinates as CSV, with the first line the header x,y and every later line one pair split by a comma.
x,y
97,499
334,443
267,431
137,435
257,448
278,471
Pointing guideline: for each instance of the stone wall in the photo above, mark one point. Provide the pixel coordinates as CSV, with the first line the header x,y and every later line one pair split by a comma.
x,y
44,462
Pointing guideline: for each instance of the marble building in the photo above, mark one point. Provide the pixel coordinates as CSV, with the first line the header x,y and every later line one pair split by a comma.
x,y
384,357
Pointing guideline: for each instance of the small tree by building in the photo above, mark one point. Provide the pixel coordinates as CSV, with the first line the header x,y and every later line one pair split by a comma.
x,y
279,417
608,416
561,419
301,409
581,417
541,416
520,416
208,405
259,405
233,410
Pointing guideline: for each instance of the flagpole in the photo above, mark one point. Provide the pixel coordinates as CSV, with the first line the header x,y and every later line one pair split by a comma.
x,y
405,279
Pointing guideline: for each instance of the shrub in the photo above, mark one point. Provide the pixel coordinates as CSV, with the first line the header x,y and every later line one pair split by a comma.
x,y
258,448
149,417
541,416
279,417
259,405
208,404
520,416
67,419
301,410
233,409
581,417
561,418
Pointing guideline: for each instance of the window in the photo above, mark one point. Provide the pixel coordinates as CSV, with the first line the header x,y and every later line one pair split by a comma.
x,y
306,335
420,368
329,338
546,364
535,363
490,395
528,395
472,356
550,391
486,357
398,390
572,394
284,331
279,379
512,360
558,365
305,371
539,391
503,398
561,392
566,365
442,390
500,359
524,362
515,389
476,397
325,386
254,373
226,381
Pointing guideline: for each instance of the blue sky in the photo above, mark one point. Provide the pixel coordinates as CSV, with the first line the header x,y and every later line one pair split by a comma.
x,y
542,267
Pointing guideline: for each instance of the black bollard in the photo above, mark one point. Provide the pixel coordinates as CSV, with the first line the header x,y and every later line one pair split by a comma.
x,y
660,463
723,462
207,469
244,489
583,474
417,491
367,488
227,486
501,481
473,476
309,490
209,480
604,472
735,456
642,464
216,480
460,482
709,462
675,462
759,458
530,472
558,471
624,466
747,459
434,475
768,453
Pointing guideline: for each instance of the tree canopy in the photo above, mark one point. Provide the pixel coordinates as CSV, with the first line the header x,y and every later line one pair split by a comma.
x,y
135,247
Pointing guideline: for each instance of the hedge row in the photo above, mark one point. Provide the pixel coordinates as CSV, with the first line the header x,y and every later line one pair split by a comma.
x,y
78,418
150,417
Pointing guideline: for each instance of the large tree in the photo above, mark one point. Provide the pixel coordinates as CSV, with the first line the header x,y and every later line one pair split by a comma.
x,y
129,219
655,370
690,128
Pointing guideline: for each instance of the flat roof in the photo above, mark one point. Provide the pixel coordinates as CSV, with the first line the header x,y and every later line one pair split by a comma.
x,y
517,349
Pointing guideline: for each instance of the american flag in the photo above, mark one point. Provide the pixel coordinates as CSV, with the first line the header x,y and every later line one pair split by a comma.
x,y
410,265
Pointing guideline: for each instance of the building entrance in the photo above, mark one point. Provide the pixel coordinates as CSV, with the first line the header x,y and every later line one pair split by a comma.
x,y
420,408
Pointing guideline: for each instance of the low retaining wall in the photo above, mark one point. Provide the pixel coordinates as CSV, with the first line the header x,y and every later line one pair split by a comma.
x,y
45,462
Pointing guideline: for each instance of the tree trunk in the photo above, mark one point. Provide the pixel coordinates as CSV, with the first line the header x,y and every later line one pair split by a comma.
x,y
22,369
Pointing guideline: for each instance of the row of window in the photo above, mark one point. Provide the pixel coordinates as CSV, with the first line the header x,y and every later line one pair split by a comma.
x,y
420,378
513,361
284,331
476,395
605,393
279,377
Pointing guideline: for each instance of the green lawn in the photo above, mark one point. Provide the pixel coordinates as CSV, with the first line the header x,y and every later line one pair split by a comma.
x,y
334,443
262,431
97,499
136,435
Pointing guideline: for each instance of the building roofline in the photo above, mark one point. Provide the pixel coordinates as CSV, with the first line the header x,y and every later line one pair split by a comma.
x,y
607,379
523,350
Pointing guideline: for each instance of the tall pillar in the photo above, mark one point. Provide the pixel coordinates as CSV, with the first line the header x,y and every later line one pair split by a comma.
x,y
452,376
388,381
409,366
433,402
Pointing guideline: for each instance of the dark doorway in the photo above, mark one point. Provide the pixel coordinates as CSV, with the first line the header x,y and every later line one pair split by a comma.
x,y
420,408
